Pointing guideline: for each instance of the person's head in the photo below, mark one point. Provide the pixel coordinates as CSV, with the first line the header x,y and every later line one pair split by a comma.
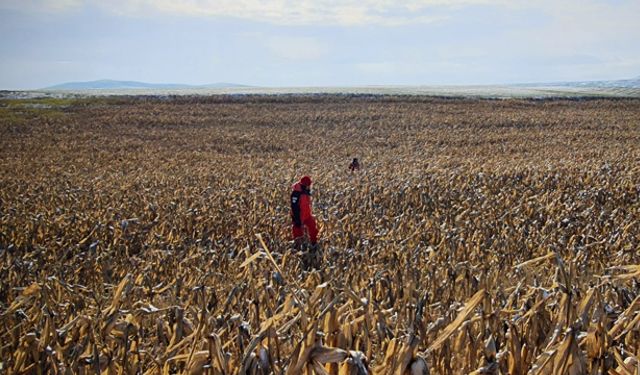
x,y
355,160
306,182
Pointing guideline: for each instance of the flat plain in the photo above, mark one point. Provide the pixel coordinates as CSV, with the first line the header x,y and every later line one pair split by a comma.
x,y
151,235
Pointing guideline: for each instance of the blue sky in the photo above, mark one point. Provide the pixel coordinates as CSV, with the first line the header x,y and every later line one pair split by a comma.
x,y
283,43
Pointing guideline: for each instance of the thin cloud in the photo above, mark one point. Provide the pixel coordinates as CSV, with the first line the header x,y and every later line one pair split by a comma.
x,y
297,48
342,12
390,13
302,12
385,67
280,12
41,5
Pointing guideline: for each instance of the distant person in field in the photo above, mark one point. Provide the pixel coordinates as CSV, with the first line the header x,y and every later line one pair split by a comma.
x,y
355,165
301,213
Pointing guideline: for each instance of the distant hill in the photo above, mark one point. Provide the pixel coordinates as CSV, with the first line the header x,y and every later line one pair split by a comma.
x,y
633,83
107,84
622,83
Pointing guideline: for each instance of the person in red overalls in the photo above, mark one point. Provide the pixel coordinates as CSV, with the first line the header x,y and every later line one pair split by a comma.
x,y
301,212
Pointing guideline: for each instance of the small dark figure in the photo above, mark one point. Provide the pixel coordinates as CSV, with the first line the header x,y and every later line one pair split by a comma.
x,y
354,166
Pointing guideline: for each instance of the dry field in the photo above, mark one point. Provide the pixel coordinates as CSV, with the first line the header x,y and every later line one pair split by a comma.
x,y
148,235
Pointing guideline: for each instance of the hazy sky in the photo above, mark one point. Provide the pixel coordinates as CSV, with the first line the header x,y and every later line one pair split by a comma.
x,y
317,42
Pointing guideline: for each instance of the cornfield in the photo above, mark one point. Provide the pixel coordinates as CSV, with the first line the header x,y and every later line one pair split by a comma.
x,y
151,235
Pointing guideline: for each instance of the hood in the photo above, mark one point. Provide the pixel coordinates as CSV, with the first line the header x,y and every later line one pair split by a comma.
x,y
299,187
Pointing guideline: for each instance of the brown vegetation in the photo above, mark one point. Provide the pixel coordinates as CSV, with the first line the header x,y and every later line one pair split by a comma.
x,y
148,235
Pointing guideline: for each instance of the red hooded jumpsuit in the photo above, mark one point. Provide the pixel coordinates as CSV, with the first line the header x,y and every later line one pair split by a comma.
x,y
301,211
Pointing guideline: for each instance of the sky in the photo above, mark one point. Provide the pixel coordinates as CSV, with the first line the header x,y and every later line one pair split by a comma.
x,y
291,43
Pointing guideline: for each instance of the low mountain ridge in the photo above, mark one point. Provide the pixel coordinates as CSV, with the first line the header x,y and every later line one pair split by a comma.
x,y
108,84
632,83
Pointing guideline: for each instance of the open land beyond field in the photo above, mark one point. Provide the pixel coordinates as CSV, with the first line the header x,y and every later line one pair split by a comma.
x,y
140,234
